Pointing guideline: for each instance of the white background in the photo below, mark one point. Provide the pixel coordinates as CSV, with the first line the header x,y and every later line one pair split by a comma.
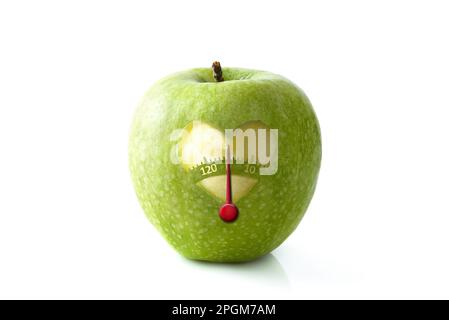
x,y
72,72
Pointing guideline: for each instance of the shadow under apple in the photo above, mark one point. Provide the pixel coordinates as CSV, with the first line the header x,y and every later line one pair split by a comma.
x,y
265,270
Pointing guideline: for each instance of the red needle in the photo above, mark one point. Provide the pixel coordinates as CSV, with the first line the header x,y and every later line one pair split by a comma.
x,y
228,183
228,212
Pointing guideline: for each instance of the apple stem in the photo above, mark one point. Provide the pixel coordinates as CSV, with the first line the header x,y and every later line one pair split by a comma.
x,y
218,74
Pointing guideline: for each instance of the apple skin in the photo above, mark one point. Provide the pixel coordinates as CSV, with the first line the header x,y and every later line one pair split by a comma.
x,y
185,214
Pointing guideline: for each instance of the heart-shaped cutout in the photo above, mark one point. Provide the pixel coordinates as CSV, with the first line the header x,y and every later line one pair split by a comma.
x,y
203,152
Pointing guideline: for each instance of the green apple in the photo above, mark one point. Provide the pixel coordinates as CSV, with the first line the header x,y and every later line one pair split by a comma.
x,y
200,131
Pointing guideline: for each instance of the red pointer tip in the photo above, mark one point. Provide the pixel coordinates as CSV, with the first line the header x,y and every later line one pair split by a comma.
x,y
229,212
